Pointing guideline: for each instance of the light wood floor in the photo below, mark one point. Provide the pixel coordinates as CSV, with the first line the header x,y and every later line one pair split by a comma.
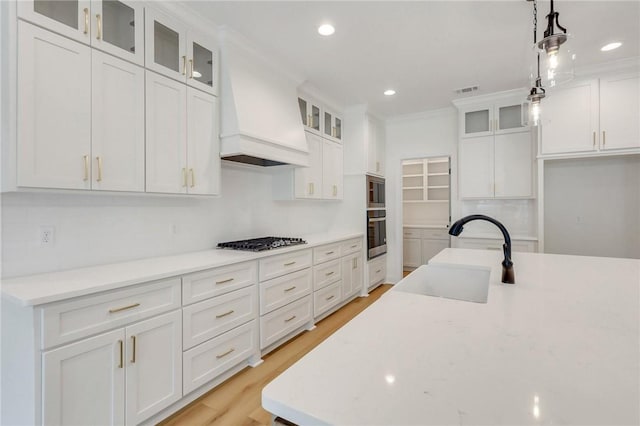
x,y
236,402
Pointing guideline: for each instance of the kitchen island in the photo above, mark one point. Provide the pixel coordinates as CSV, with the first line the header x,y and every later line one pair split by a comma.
x,y
561,346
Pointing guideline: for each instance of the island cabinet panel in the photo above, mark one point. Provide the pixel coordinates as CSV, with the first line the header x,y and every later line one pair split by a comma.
x,y
207,361
66,321
214,282
83,383
279,323
275,266
211,317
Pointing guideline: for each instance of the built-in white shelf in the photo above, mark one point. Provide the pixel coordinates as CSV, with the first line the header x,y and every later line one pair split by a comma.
x,y
414,175
438,187
440,160
437,174
425,201
412,187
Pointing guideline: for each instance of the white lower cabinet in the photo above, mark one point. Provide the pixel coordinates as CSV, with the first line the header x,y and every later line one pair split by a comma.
x,y
411,252
432,247
352,275
283,321
420,245
120,377
326,298
377,271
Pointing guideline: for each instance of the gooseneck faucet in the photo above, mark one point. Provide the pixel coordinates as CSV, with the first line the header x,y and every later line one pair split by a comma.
x,y
508,276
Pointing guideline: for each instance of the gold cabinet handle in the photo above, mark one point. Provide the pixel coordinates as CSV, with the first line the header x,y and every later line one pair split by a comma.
x,y
124,308
604,139
309,121
193,177
133,351
335,190
329,252
329,273
378,271
290,319
330,297
190,68
85,158
184,65
355,263
289,289
225,314
310,188
594,139
228,280
184,177
121,343
225,354
333,132
86,20
290,263
354,246
99,23
99,178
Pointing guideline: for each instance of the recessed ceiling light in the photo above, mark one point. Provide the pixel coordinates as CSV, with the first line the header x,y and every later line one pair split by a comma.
x,y
389,92
611,46
326,29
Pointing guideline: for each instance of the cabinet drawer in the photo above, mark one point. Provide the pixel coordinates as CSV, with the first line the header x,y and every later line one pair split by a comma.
x,y
212,358
67,321
325,253
325,274
275,266
435,234
412,232
212,317
277,324
282,290
203,285
327,298
377,270
351,246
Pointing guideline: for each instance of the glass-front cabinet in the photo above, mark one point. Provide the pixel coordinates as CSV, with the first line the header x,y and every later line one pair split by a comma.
x,y
310,114
332,128
117,28
165,45
202,72
494,119
70,18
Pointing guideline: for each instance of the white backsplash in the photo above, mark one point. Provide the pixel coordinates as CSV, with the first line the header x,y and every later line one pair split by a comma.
x,y
93,228
518,216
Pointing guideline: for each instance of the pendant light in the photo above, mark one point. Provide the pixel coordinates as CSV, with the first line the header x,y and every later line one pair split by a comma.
x,y
557,63
537,92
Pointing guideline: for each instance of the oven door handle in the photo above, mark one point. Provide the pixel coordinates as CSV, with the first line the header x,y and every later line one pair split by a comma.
x,y
377,219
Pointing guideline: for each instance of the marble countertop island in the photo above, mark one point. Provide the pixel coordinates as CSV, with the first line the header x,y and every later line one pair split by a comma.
x,y
561,346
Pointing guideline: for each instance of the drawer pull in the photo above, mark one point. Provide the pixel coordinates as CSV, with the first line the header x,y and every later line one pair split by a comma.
x,y
225,354
225,314
378,271
124,308
133,352
330,297
328,253
354,246
228,280
290,263
290,319
121,365
290,288
330,273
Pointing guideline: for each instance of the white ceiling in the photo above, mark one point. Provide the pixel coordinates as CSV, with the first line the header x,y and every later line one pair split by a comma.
x,y
422,49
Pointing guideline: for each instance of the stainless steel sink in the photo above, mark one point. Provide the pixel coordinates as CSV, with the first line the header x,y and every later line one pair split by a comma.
x,y
460,282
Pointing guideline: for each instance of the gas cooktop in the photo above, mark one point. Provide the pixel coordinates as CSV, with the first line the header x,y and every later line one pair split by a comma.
x,y
260,244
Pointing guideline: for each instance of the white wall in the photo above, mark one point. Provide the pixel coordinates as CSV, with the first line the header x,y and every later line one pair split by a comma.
x,y
429,134
95,229
592,206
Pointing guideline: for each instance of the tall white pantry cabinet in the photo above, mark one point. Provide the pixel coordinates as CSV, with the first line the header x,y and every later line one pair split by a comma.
x,y
84,96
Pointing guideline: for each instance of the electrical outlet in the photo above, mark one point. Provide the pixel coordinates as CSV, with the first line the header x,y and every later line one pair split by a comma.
x,y
46,236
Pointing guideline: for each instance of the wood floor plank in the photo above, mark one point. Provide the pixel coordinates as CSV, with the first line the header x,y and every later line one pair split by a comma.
x,y
238,400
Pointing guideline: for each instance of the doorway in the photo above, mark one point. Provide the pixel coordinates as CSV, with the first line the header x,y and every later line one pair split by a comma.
x,y
426,209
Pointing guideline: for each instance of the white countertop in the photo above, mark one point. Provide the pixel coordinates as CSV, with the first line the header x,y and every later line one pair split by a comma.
x,y
560,346
429,226
51,287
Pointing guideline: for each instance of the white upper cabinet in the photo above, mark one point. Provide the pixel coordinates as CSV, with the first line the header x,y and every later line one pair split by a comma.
x,y
165,45
308,180
70,18
332,126
54,110
592,116
117,28
375,144
319,119
569,118
310,113
476,167
203,144
332,174
178,53
620,112
499,117
513,166
117,140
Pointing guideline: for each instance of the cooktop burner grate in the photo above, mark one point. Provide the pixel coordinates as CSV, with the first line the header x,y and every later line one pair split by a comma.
x,y
260,244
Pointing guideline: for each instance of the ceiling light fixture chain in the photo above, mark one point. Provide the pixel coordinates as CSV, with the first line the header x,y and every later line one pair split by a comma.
x,y
537,92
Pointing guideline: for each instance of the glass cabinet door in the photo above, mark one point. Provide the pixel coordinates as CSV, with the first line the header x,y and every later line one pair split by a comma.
x,y
165,47
202,63
338,128
117,28
477,122
512,117
310,114
328,124
70,18
332,126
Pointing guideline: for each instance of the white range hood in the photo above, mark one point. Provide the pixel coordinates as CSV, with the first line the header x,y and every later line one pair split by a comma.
x,y
261,123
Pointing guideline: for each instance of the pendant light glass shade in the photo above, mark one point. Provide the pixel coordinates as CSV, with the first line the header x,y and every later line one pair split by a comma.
x,y
556,64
